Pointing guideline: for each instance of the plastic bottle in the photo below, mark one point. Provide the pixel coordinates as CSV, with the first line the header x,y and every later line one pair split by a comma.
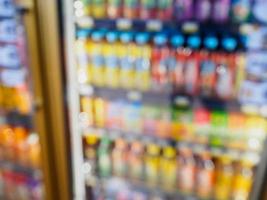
x,y
119,157
152,158
99,112
183,10
191,73
97,57
142,64
205,176
86,115
160,55
81,48
148,9
90,151
127,60
168,164
164,9
104,160
219,124
221,11
98,8
130,9
111,49
241,10
224,178
176,62
186,170
202,10
114,8
136,161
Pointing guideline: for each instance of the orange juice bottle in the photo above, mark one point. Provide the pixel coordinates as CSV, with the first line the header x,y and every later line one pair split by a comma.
x,y
224,178
243,180
97,57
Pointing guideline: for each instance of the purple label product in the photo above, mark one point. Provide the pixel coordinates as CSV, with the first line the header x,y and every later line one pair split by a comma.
x,y
202,10
220,10
183,10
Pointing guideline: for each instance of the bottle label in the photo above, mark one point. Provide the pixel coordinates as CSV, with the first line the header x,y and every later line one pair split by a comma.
x,y
131,3
164,4
149,4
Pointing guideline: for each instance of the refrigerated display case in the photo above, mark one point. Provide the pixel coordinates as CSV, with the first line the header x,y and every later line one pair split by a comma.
x,y
28,169
166,99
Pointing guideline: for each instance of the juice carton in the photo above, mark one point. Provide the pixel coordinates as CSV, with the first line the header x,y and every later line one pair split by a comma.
x,y
142,64
127,60
96,50
111,59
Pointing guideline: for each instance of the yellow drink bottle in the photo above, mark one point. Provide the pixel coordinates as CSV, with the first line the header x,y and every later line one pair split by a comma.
x,y
97,58
142,64
98,8
111,60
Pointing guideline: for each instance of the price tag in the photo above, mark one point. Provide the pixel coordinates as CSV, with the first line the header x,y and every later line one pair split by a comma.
x,y
134,96
13,78
181,101
85,22
154,25
190,27
246,29
124,24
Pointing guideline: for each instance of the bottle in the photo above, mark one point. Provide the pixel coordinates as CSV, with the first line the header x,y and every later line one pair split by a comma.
x,y
186,170
82,8
191,73
219,125
114,8
243,180
152,158
205,176
142,64
168,164
202,10
241,10
98,8
164,9
224,178
86,115
136,161
96,50
130,9
221,11
104,160
111,60
183,10
176,62
147,9
208,66
164,123
132,117
99,112
226,69
82,57
160,55
127,60
90,151
119,157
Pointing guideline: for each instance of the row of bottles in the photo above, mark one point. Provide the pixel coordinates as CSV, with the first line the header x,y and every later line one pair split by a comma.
x,y
198,124
207,66
180,10
170,168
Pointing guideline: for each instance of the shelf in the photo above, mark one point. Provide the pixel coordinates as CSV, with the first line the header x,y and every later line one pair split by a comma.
x,y
234,153
157,25
119,184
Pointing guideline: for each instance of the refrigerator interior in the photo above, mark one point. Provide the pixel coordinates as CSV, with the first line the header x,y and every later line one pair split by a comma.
x,y
167,99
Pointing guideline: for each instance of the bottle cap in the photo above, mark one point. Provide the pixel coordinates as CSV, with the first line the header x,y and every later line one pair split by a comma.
x,y
194,41
126,37
177,40
211,42
142,38
91,139
160,39
229,43
83,33
112,36
97,35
